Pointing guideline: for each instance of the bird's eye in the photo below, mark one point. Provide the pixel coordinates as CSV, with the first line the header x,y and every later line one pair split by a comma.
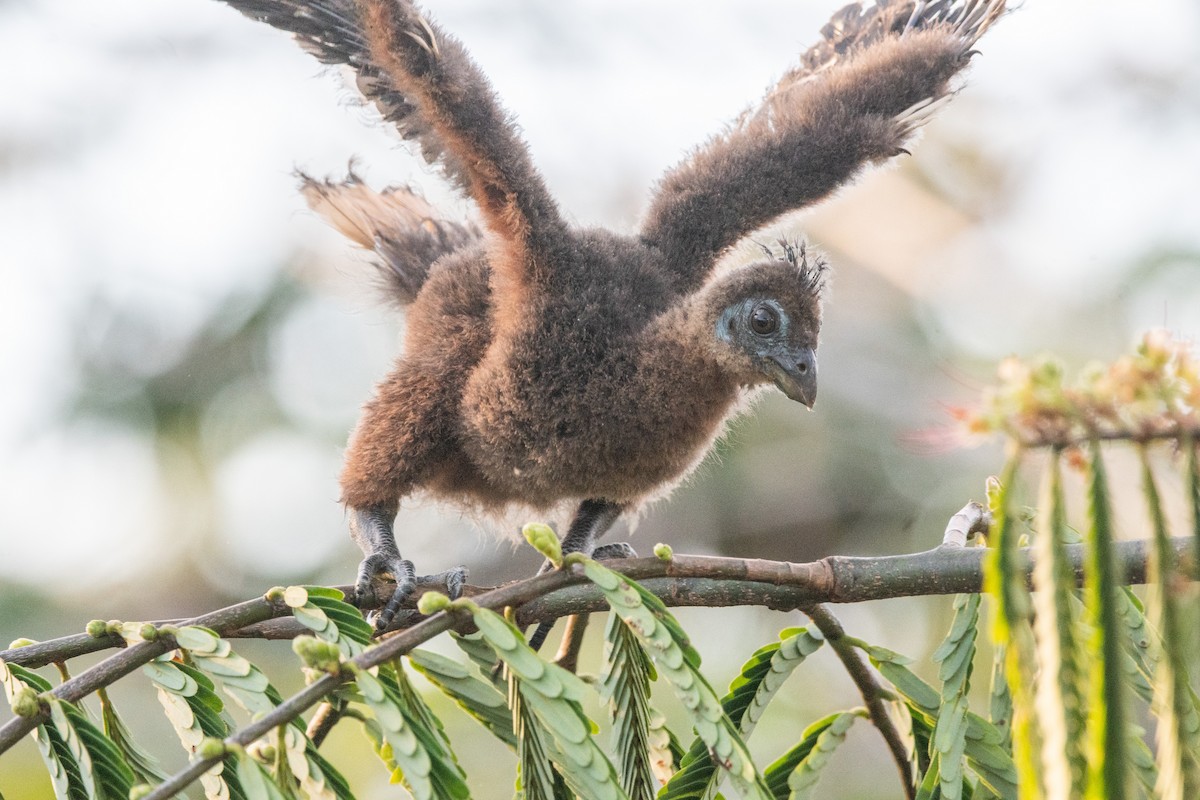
x,y
764,320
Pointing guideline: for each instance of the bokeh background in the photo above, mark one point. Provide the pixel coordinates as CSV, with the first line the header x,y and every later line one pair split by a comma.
x,y
183,346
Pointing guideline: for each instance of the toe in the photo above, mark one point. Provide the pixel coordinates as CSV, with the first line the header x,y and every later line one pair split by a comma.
x,y
609,552
364,584
456,579
373,568
402,571
407,581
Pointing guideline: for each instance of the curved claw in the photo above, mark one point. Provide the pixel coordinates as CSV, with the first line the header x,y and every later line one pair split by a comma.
x,y
407,581
375,566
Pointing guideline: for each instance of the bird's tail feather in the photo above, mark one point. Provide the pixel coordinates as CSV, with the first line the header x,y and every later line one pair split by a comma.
x,y
398,224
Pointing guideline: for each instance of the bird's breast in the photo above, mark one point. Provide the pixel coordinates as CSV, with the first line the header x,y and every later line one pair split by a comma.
x,y
614,424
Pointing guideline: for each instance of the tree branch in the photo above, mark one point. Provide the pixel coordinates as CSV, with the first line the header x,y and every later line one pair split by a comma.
x,y
872,691
118,666
686,581
683,581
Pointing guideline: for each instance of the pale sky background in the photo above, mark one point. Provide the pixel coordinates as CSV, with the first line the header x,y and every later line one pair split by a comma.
x,y
147,151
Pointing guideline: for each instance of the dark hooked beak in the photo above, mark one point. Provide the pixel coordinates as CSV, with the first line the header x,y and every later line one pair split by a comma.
x,y
796,375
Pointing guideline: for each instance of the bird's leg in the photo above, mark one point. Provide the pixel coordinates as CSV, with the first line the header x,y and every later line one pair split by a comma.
x,y
592,520
371,528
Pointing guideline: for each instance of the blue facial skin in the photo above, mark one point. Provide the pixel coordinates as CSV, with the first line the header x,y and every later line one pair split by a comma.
x,y
761,328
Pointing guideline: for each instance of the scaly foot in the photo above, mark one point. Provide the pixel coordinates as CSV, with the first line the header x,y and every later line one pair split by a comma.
x,y
372,529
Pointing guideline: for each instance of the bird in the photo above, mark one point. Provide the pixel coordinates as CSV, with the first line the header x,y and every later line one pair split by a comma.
x,y
549,366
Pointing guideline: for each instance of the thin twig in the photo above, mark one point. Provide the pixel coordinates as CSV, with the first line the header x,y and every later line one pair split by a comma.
x,y
567,656
1177,433
872,691
322,722
971,520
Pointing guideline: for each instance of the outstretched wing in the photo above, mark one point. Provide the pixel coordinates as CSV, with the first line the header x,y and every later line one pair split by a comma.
x,y
424,83
856,97
330,30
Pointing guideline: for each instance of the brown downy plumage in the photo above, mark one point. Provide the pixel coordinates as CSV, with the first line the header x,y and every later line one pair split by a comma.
x,y
546,364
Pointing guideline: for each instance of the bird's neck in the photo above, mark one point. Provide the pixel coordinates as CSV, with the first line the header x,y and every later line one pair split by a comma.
x,y
691,328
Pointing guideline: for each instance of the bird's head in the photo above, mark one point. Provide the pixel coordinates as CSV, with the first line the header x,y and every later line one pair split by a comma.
x,y
767,316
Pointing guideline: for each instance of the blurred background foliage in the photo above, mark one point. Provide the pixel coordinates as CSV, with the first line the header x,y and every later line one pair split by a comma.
x,y
184,346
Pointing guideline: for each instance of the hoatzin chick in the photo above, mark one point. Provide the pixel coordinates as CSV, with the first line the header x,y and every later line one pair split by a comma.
x,y
546,364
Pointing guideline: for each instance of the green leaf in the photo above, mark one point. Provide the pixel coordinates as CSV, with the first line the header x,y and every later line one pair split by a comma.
x,y
999,714
255,781
250,689
1192,489
472,694
403,752
803,779
1107,739
1178,728
983,741
778,771
448,775
955,655
932,781
348,618
763,675
242,681
411,749
316,777
64,770
756,684
102,752
1142,762
923,754
479,651
195,712
60,764
114,776
84,763
552,697
199,639
999,698
920,693
535,777
678,663
1140,663
626,686
319,593
145,766
74,748
1061,714
1004,579
325,614
322,774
